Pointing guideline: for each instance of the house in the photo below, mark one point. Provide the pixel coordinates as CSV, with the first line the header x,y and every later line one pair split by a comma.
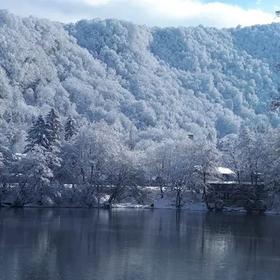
x,y
226,191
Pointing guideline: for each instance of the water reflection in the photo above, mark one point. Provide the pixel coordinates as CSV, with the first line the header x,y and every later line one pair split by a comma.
x,y
80,244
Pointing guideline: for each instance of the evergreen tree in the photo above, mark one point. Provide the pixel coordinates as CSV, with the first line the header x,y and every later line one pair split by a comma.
x,y
53,129
37,135
37,173
44,138
54,136
70,129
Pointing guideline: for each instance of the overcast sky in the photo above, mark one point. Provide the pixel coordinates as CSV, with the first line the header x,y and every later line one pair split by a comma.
x,y
220,13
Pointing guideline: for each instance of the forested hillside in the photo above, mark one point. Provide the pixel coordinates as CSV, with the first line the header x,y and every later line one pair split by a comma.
x,y
110,107
160,83
188,72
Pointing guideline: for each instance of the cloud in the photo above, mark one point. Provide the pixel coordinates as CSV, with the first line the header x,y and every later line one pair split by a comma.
x,y
150,12
214,13
96,2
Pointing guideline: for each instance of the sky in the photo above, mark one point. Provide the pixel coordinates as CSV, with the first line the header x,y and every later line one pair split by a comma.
x,y
219,13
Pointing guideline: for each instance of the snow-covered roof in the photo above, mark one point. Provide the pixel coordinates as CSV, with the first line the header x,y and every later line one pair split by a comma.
x,y
225,171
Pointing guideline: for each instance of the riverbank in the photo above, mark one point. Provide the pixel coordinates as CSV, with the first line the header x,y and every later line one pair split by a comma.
x,y
151,198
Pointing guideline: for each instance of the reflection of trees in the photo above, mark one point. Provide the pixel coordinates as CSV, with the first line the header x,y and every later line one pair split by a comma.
x,y
91,244
244,243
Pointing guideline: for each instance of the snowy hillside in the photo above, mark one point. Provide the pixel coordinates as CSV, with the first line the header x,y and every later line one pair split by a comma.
x,y
161,83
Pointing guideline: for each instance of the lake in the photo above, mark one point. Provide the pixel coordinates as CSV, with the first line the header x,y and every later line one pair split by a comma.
x,y
81,244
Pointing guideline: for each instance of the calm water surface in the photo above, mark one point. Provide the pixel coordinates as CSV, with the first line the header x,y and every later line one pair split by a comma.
x,y
79,244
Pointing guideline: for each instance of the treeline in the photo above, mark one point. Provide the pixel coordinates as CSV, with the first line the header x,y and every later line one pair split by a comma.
x,y
91,165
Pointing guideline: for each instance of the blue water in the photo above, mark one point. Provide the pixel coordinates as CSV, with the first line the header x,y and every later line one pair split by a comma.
x,y
80,244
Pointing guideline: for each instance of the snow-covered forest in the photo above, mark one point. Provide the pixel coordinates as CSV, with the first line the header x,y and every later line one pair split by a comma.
x,y
91,112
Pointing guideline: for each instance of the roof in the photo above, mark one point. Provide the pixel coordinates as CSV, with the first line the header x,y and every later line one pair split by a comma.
x,y
225,171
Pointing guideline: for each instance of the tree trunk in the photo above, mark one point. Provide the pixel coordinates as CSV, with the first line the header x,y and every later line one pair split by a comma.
x,y
112,197
205,196
98,196
238,177
204,177
83,175
178,198
161,191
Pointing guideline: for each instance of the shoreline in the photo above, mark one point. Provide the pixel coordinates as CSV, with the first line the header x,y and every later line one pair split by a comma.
x,y
126,206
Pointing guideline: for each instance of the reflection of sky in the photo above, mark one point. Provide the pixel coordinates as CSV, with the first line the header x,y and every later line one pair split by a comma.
x,y
220,13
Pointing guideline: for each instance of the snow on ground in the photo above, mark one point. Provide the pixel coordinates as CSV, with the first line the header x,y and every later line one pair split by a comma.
x,y
131,205
191,201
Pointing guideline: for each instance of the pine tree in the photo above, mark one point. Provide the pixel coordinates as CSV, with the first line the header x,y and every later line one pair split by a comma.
x,y
53,129
37,173
70,129
44,137
37,135
53,133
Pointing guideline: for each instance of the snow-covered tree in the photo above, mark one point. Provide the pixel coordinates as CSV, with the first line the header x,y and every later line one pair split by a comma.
x,y
123,171
44,138
207,158
159,160
35,176
86,159
53,128
70,129
37,135
5,163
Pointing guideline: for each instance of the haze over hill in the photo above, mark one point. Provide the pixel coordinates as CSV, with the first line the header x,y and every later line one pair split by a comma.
x,y
160,82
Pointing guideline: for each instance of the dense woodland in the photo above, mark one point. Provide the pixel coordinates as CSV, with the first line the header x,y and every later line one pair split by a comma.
x,y
93,164
101,108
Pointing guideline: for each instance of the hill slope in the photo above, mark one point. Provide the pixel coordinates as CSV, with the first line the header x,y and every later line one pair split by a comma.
x,y
164,82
